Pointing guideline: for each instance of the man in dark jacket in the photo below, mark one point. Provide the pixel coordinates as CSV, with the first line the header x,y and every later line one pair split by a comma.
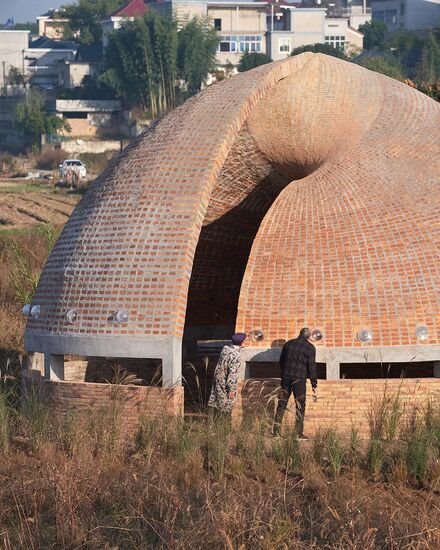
x,y
297,363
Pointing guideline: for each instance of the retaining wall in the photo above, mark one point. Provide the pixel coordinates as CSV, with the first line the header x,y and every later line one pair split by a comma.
x,y
341,404
66,396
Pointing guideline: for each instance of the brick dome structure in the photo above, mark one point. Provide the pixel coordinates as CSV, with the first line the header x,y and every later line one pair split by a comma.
x,y
304,192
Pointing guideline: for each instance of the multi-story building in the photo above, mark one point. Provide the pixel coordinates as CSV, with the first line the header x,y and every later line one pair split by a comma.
x,y
340,35
12,47
355,12
289,27
42,58
52,24
271,27
412,15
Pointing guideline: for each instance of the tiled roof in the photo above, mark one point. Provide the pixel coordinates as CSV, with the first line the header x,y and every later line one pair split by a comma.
x,y
133,8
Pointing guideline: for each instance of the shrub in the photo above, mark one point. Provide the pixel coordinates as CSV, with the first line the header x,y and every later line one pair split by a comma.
x,y
96,162
385,416
50,159
8,164
250,60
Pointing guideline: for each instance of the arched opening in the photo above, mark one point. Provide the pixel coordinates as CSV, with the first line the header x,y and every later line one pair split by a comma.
x,y
246,188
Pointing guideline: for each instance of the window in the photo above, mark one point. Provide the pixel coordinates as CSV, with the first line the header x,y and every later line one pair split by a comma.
x,y
389,17
234,43
336,41
218,24
284,45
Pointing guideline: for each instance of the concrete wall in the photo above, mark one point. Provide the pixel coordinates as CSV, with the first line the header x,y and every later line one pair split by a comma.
x,y
72,73
52,28
341,404
187,10
89,105
357,20
422,14
355,41
233,20
339,27
94,125
75,147
307,27
12,45
308,21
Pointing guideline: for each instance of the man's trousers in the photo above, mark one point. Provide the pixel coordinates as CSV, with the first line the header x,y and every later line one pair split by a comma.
x,y
298,388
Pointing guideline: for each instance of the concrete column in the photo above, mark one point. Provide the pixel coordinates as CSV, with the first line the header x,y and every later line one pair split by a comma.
x,y
243,373
332,370
53,367
436,369
172,365
35,361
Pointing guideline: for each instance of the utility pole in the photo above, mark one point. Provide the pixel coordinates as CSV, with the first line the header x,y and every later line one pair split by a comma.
x,y
4,77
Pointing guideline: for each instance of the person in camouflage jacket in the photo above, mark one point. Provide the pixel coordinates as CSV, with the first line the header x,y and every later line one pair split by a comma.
x,y
224,385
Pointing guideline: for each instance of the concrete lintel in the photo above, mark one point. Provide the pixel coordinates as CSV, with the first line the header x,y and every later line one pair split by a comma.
x,y
365,354
168,349
333,370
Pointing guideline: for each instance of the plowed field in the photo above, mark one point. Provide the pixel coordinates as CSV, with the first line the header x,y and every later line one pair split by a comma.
x,y
26,204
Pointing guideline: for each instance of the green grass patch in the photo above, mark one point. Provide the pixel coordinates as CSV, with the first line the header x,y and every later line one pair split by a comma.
x,y
21,187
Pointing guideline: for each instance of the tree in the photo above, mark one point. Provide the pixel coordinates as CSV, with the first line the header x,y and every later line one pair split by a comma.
x,y
374,35
196,53
28,26
320,48
30,117
85,19
407,48
146,57
428,69
384,65
250,60
141,62
15,77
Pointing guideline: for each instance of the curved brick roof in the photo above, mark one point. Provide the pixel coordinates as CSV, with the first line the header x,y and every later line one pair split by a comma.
x,y
302,192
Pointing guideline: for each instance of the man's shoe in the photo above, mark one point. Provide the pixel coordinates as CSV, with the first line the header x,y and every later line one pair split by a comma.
x,y
303,437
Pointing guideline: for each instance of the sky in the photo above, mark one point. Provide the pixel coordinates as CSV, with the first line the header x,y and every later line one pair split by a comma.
x,y
27,10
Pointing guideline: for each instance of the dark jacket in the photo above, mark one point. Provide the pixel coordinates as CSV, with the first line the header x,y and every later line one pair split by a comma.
x,y
297,360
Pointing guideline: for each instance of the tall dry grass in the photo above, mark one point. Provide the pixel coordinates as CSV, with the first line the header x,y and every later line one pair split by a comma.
x,y
80,481
22,256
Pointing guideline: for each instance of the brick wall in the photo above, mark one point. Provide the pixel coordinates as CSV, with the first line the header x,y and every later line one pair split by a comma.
x,y
75,371
83,396
341,403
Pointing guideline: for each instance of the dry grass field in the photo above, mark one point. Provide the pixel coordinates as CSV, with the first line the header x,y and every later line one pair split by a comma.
x,y
24,204
83,482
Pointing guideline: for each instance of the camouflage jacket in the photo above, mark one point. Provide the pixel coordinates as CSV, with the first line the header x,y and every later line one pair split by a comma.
x,y
225,379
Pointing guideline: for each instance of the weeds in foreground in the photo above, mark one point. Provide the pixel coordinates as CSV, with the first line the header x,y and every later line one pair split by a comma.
x,y
81,481
5,420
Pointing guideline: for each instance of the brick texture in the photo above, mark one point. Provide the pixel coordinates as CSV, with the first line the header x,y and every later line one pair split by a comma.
x,y
342,404
302,192
66,396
